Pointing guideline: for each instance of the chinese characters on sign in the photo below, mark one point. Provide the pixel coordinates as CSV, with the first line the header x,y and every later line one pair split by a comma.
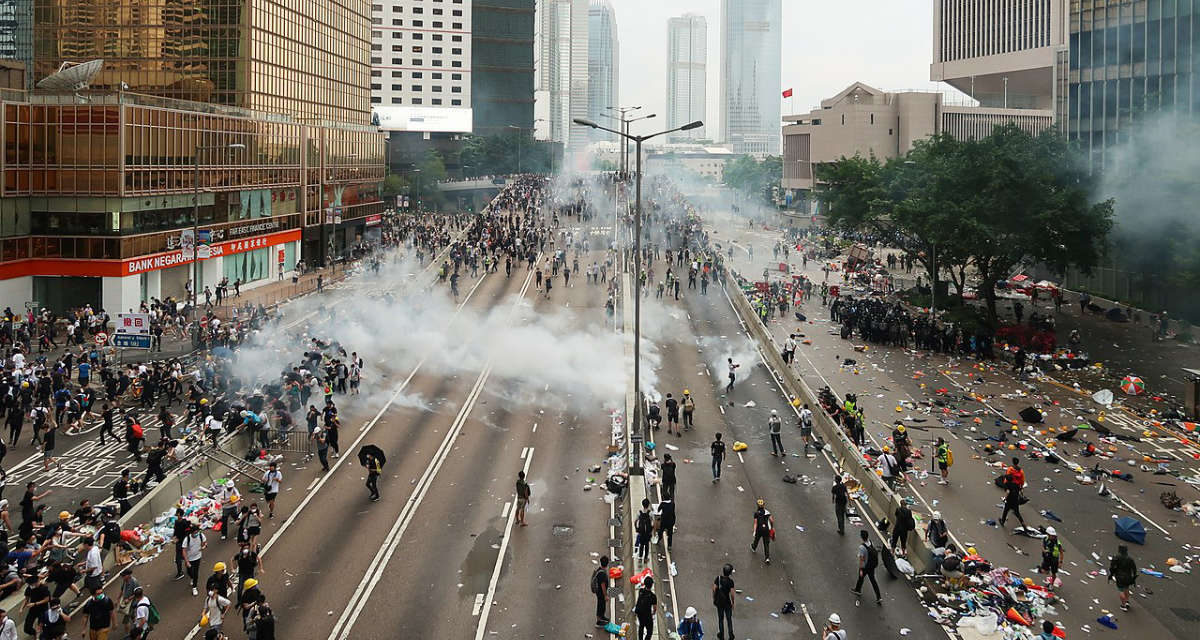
x,y
133,324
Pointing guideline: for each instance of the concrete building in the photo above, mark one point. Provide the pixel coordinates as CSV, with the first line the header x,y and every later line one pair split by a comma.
x,y
421,53
603,63
866,121
561,72
1127,59
687,74
707,163
502,74
1003,53
100,184
751,50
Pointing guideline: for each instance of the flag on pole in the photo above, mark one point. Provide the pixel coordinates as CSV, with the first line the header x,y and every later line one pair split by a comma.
x,y
787,93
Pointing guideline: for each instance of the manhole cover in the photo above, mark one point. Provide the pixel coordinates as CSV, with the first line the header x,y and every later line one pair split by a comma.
x,y
562,530
1188,615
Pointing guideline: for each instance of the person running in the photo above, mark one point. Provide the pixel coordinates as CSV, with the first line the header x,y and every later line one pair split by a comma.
x,y
841,496
1012,501
666,521
723,598
764,529
271,480
868,561
645,608
523,494
673,415
1123,570
732,375
775,428
194,545
718,457
689,409
599,586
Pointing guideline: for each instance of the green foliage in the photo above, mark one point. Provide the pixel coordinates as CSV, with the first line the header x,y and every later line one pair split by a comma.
x,y
755,178
393,185
982,207
504,153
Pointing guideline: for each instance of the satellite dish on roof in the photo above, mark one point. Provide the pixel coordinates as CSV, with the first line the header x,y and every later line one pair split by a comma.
x,y
71,76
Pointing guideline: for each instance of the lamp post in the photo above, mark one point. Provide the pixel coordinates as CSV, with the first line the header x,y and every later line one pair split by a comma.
x,y
637,240
196,216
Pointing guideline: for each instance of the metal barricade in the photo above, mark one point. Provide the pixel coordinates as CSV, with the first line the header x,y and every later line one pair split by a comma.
x,y
291,441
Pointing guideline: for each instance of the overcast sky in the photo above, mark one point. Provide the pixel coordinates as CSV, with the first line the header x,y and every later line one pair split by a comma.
x,y
826,47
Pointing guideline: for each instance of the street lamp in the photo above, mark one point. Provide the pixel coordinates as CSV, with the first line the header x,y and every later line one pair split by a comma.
x,y
637,241
625,130
196,216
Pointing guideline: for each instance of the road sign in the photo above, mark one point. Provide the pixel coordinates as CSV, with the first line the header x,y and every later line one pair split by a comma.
x,y
133,324
32,305
101,338
131,341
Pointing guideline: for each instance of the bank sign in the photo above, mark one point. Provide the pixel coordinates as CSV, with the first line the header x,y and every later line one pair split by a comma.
x,y
180,256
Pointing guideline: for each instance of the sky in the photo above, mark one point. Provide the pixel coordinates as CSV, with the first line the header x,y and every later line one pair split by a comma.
x,y
826,47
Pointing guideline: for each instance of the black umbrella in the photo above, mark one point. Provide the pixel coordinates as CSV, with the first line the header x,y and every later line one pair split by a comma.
x,y
371,450
1031,414
1067,435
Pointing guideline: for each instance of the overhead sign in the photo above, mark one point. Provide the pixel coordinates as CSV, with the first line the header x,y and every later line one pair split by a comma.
x,y
133,324
374,219
433,119
131,342
174,258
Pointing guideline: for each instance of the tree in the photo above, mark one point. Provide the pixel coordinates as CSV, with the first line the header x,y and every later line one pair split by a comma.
x,y
504,153
985,206
755,178
393,185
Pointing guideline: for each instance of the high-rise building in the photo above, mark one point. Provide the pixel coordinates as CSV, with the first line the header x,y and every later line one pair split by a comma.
x,y
16,40
751,44
1001,53
421,56
1127,59
561,71
502,81
602,65
249,119
687,71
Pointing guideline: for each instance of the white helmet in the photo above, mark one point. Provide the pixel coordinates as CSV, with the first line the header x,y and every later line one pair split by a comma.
x,y
835,619
1050,531
690,613
773,412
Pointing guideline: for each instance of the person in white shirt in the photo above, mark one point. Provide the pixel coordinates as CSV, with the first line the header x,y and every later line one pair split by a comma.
x,y
271,480
193,551
806,427
789,349
8,627
141,613
215,607
93,566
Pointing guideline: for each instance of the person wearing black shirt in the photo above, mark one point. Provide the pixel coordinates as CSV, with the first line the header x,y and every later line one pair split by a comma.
x,y
53,621
718,458
37,599
100,611
31,497
840,498
723,590
179,532
647,604
668,477
121,492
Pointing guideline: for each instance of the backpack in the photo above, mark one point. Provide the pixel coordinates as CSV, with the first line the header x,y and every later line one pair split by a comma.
x,y
872,557
597,577
949,457
152,616
644,524
137,430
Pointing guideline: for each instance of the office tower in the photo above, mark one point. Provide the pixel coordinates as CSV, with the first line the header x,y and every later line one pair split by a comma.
x,y
687,54
561,69
602,65
502,81
751,42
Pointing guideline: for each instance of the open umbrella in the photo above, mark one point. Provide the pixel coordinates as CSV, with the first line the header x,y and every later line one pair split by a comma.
x,y
1130,530
1103,396
1031,414
1133,385
371,450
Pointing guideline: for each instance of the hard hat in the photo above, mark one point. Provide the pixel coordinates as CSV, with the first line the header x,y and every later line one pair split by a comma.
x,y
937,515
686,392
203,400
900,428
835,619
219,567
971,551
1027,582
887,449
250,583
1050,531
773,412
761,502
25,384
234,498
64,515
690,612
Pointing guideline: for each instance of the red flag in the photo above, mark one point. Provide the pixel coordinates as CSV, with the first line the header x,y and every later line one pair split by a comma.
x,y
787,93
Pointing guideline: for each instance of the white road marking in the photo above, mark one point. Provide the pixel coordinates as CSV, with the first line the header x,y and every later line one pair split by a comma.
x,y
804,608
481,630
478,605
535,427
504,511
312,484
524,452
740,458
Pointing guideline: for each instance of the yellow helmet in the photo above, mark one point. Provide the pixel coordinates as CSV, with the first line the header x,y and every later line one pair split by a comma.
x,y
971,551
219,567
761,502
64,515
900,428
203,400
251,583
686,392
25,384
887,449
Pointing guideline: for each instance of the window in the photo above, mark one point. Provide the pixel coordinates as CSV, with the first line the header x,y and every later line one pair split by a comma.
x,y
417,74
843,118
437,24
418,49
397,48
376,100
399,100
436,76
418,36
374,74
457,25
436,101
418,10
396,35
397,9
455,89
416,88
397,87
418,23
456,12
872,118
437,49
376,7
437,12
456,103
397,22
397,61
416,101
456,63
375,60
456,76
376,20
437,88
376,86
456,51
397,74
417,62
437,63
376,34
376,47
456,38
437,36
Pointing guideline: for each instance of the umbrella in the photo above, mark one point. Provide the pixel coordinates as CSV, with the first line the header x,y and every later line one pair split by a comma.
x,y
1031,414
371,450
1130,530
1103,396
1132,385
1067,435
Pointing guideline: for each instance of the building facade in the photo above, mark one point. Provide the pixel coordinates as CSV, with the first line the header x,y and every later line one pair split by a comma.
x,y
687,74
421,54
751,49
603,65
1002,53
862,120
561,71
248,111
1127,59
502,74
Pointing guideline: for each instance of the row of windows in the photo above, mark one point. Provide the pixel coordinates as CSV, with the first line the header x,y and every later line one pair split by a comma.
x,y
1143,42
416,75
437,102
419,62
398,9
416,88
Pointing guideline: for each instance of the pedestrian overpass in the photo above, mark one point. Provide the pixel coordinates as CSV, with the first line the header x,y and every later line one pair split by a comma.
x,y
473,194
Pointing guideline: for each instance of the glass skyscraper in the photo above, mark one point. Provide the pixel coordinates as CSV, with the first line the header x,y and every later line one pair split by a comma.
x,y
751,43
687,70
603,60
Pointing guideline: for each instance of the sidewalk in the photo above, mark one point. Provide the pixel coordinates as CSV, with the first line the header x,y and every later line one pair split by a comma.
x,y
276,292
